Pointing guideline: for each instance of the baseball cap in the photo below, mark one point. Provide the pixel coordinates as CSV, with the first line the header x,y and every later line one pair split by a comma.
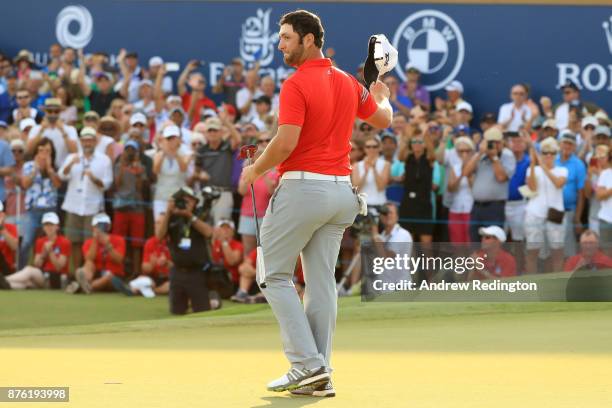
x,y
132,143
144,285
570,84
230,109
462,128
464,140
197,137
388,135
145,82
494,135
88,131
138,117
589,120
602,130
50,218
25,123
103,74
91,115
171,131
464,106
382,58
155,61
173,98
454,86
100,218
567,136
3,124
176,109
17,143
225,222
212,123
550,123
603,116
548,144
131,54
494,231
53,103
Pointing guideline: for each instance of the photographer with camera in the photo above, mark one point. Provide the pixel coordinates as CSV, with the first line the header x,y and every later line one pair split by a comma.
x,y
187,240
493,166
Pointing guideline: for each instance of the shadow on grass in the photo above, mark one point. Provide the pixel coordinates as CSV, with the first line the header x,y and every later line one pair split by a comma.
x,y
288,401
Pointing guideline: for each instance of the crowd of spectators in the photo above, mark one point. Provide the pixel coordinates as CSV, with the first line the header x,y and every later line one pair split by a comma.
x,y
91,152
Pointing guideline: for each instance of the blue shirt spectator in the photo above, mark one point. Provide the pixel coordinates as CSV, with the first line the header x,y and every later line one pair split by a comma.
x,y
518,179
6,162
575,180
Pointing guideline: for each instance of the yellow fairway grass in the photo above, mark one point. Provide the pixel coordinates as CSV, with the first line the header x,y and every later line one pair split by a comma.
x,y
230,378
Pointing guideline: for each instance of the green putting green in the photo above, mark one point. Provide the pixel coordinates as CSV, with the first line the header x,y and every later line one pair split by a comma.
x,y
388,354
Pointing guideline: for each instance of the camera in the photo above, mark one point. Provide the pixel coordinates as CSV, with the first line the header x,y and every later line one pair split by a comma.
x,y
179,198
364,223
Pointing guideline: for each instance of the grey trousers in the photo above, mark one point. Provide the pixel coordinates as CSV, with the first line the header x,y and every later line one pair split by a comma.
x,y
307,217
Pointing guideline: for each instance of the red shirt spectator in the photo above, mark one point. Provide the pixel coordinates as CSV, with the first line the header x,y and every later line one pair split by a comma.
x,y
5,251
158,250
503,266
598,261
310,99
103,261
203,103
61,246
217,256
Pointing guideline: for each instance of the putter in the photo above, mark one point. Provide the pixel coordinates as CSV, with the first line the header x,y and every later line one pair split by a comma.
x,y
247,152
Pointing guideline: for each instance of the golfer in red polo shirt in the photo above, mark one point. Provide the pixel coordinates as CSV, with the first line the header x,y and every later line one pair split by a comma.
x,y
314,201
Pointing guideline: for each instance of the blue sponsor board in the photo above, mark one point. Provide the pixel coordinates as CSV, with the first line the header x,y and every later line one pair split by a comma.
x,y
487,47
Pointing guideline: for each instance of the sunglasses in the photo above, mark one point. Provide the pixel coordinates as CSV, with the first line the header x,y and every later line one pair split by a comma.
x,y
488,237
371,146
518,93
568,92
23,97
53,111
17,150
461,151
589,127
549,153
416,142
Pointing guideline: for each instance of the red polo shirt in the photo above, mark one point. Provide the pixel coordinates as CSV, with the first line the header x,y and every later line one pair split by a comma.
x,y
103,261
324,101
154,246
218,257
599,261
7,253
61,246
504,265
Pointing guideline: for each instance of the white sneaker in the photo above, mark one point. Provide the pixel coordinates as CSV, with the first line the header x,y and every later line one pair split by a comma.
x,y
297,378
321,390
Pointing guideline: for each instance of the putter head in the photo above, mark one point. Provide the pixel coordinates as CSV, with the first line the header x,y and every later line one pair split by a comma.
x,y
247,151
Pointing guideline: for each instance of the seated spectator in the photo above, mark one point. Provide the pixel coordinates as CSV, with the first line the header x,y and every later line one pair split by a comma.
x,y
170,168
104,254
461,188
264,187
88,174
371,175
247,270
497,262
590,256
130,183
156,264
544,212
51,256
226,250
493,166
8,244
64,137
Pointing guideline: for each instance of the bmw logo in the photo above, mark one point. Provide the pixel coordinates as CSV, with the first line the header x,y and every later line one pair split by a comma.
x,y
432,42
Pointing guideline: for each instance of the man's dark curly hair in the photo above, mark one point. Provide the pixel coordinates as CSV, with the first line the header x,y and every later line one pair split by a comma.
x,y
304,22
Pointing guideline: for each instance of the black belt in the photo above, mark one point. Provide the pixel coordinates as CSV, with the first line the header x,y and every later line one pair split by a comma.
x,y
485,203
